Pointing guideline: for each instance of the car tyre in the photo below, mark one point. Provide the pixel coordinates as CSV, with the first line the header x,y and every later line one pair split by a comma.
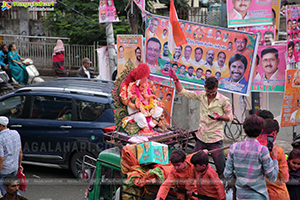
x,y
76,163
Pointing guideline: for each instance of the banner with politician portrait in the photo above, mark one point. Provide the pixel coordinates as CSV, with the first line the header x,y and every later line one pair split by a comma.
x,y
266,33
166,95
107,11
276,5
210,51
293,33
129,48
269,71
290,111
140,3
249,13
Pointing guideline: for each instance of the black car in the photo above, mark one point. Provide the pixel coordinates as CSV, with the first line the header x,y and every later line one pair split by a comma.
x,y
62,120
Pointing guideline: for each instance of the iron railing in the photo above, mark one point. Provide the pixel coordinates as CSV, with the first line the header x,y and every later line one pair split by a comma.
x,y
41,53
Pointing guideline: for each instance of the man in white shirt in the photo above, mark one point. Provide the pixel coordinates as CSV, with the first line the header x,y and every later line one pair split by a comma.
x,y
164,34
240,10
177,53
198,61
270,62
152,28
153,48
103,16
121,59
209,33
219,64
210,56
84,71
187,55
218,34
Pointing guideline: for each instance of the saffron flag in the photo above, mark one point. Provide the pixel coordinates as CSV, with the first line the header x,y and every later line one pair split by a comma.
x,y
176,36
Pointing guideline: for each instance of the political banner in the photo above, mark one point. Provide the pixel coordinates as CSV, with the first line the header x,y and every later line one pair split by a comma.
x,y
210,51
293,28
276,5
269,71
140,3
107,11
266,33
290,111
129,49
165,94
249,13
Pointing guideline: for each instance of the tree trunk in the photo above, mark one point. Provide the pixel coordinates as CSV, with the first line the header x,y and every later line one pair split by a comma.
x,y
133,17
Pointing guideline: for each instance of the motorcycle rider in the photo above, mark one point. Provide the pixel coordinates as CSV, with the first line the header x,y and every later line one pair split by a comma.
x,y
18,70
4,61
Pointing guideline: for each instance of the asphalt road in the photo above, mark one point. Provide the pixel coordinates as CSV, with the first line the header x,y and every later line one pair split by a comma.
x,y
45,183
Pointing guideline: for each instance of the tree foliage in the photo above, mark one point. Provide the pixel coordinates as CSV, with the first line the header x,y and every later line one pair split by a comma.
x,y
79,20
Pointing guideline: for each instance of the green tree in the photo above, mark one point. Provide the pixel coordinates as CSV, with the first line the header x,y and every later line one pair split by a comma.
x,y
79,20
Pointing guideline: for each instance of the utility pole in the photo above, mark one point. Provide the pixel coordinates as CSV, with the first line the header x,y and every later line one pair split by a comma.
x,y
111,47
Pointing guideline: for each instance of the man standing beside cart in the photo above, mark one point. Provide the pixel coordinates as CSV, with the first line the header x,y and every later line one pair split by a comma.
x,y
214,109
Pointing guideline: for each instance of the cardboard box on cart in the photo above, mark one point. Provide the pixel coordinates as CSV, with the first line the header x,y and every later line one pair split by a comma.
x,y
152,152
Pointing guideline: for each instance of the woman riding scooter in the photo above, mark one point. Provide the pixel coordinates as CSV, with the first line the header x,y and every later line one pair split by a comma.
x,y
18,71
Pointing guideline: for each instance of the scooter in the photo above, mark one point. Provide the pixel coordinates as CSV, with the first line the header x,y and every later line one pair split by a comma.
x,y
5,87
33,73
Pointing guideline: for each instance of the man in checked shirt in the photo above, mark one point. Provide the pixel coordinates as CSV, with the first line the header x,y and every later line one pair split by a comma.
x,y
210,133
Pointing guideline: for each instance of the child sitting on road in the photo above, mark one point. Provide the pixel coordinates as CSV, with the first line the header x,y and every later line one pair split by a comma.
x,y
293,185
250,162
206,178
181,171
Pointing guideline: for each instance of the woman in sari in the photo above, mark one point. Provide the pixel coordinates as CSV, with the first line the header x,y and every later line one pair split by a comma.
x,y
59,59
18,70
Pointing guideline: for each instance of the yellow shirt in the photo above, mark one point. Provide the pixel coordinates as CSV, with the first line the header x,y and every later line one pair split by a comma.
x,y
210,131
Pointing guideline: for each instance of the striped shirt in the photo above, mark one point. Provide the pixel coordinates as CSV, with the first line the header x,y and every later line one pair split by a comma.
x,y
10,145
250,162
210,131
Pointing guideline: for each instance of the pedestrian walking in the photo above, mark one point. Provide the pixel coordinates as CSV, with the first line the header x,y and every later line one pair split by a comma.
x,y
10,152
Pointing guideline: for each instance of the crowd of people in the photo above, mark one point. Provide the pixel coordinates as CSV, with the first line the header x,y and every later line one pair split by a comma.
x,y
259,169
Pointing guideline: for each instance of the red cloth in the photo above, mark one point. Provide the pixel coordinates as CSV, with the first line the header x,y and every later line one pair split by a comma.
x,y
207,182
58,63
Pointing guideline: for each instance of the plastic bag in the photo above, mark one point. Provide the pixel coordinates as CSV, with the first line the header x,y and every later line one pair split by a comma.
x,y
23,184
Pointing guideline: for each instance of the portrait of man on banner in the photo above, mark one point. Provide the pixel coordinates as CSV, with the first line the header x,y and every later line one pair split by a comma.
x,y
249,13
270,69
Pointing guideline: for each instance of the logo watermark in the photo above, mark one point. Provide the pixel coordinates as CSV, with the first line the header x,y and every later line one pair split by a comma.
x,y
33,6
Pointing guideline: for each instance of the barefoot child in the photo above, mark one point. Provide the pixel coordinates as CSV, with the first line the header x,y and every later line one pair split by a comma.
x,y
205,178
294,182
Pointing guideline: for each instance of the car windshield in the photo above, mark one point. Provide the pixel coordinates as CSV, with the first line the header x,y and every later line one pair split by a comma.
x,y
12,107
94,111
